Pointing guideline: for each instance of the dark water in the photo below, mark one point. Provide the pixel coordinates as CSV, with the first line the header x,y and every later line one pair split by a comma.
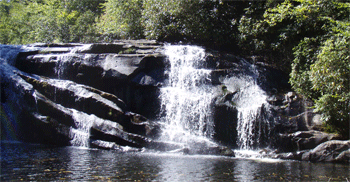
x,y
42,163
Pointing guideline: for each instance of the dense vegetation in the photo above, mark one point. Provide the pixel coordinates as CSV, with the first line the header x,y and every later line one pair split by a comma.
x,y
308,38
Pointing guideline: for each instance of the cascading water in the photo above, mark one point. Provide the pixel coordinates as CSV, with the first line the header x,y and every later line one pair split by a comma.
x,y
80,135
61,67
186,99
250,100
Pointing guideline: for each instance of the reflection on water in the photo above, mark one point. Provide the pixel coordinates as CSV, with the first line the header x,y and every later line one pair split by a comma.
x,y
36,162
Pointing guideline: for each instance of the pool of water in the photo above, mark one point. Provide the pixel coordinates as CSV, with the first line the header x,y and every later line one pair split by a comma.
x,y
30,162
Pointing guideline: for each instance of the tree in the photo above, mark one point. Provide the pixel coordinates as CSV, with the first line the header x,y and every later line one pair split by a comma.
x,y
312,37
211,23
330,75
65,20
14,26
29,21
121,19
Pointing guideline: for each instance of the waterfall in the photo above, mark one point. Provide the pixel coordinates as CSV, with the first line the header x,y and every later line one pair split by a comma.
x,y
249,101
60,65
81,134
187,96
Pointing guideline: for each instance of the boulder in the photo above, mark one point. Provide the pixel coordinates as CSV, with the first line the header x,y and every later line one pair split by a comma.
x,y
343,157
303,140
214,150
290,155
330,151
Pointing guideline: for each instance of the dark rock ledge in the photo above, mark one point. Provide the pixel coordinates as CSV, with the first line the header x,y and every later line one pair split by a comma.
x,y
55,88
116,86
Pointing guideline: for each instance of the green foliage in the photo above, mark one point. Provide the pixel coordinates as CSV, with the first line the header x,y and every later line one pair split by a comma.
x,y
330,75
121,19
211,23
305,54
335,112
312,37
14,22
84,29
331,71
29,21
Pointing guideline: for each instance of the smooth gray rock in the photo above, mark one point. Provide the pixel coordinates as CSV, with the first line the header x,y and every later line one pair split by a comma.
x,y
45,110
310,139
331,151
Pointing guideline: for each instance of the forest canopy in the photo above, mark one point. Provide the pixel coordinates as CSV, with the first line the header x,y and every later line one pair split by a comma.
x,y
308,38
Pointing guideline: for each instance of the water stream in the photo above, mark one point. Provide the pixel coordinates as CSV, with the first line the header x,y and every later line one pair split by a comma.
x,y
186,99
81,134
250,101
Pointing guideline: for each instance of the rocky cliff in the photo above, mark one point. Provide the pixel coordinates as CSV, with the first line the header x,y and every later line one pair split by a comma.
x,y
107,96
57,93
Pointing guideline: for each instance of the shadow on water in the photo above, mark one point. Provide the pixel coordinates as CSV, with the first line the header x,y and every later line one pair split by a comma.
x,y
29,162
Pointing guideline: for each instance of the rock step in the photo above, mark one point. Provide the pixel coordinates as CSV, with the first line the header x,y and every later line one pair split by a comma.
x,y
91,101
117,47
57,115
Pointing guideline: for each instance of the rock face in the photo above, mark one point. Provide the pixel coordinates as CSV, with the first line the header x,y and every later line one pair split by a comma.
x,y
304,140
94,95
116,68
331,151
48,89
69,94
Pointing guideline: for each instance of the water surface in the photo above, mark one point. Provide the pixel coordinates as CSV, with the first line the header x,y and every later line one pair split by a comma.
x,y
30,162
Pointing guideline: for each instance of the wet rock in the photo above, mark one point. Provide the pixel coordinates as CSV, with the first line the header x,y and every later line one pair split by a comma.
x,y
290,155
303,140
225,120
226,152
164,146
134,78
23,106
343,157
47,110
81,97
100,48
105,145
331,151
215,150
112,146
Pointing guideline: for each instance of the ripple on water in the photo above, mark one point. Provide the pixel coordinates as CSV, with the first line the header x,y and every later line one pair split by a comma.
x,y
42,163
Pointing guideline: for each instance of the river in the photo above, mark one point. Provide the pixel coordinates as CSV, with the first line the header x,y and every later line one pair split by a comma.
x,y
30,162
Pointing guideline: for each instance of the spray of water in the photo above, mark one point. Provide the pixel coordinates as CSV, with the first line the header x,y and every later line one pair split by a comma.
x,y
81,134
249,101
186,98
